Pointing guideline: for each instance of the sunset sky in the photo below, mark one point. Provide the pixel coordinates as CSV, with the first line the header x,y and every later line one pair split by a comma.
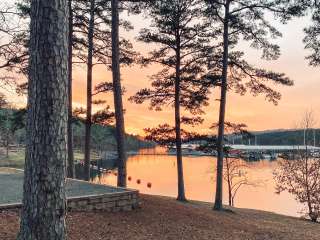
x,y
257,113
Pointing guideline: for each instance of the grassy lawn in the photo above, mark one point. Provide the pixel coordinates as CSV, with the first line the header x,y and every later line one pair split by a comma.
x,y
79,155
17,157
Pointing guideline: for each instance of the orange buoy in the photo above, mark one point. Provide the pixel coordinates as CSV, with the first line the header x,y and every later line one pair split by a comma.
x,y
149,185
129,178
138,181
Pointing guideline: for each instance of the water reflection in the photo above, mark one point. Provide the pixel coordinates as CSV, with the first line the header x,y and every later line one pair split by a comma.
x,y
161,172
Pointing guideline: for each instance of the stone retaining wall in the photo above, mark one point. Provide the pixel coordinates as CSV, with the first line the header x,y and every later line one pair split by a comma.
x,y
111,202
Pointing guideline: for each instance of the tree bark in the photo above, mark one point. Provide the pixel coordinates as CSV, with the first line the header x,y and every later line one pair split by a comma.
x,y
44,199
7,135
220,143
7,146
87,146
71,169
118,105
229,183
181,191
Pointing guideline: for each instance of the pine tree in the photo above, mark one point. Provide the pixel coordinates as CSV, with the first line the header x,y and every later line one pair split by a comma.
x,y
44,198
89,91
312,39
181,35
14,28
120,128
247,20
70,167
93,34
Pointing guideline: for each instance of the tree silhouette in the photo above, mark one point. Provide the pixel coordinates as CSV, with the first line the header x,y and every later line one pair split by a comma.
x,y
181,34
117,93
312,39
93,34
300,176
234,170
70,166
14,28
245,20
89,90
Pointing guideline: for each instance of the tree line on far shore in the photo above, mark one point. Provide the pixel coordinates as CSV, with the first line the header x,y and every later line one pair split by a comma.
x,y
103,138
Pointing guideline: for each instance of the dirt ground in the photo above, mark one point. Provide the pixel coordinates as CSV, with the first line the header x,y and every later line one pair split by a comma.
x,y
164,218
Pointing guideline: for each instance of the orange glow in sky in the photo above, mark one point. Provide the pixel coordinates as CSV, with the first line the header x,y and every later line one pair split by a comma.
x,y
257,113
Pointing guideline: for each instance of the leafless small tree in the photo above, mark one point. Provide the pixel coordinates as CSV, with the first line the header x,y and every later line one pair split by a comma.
x,y
236,176
235,171
301,176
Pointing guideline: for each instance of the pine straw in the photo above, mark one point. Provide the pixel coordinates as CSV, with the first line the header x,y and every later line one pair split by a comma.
x,y
164,218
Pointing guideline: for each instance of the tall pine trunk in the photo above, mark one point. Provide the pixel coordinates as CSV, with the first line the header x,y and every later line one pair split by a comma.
x,y
229,182
7,134
87,145
181,191
220,143
44,199
7,144
117,92
70,169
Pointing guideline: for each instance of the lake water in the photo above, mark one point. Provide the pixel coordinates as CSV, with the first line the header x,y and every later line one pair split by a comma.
x,y
199,175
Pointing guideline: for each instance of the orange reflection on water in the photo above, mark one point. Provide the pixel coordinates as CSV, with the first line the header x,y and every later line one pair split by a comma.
x,y
199,175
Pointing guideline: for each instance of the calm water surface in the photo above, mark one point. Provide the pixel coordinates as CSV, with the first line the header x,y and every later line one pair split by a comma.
x,y
199,173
